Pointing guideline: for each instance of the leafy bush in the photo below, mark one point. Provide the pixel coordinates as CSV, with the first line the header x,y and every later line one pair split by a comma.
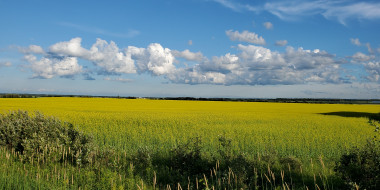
x,y
290,162
43,138
362,165
187,158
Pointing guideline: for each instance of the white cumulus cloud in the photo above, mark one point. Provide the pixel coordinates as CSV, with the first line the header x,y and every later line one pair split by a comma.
x,y
251,65
245,36
360,57
32,49
154,59
268,25
373,69
306,59
256,65
56,66
69,48
110,58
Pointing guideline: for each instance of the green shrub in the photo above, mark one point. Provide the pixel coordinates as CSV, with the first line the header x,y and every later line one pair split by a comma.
x,y
43,138
362,165
187,158
291,163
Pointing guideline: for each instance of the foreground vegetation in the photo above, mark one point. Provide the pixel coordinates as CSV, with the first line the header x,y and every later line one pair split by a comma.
x,y
140,144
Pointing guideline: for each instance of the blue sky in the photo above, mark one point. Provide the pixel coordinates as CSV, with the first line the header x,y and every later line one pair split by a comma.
x,y
199,48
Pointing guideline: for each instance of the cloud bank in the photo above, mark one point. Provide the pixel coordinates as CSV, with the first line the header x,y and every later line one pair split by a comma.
x,y
251,65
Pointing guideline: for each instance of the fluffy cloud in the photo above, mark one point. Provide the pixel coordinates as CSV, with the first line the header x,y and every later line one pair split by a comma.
x,y
188,55
104,55
196,76
268,25
370,64
373,69
71,48
223,64
252,65
245,36
32,49
60,61
109,58
302,59
281,43
54,66
62,58
361,57
154,59
260,58
256,65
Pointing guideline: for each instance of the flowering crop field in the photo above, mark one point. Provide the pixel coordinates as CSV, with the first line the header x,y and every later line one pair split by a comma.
x,y
301,130
165,144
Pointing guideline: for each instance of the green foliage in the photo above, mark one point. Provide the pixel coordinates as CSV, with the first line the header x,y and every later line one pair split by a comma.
x,y
43,138
187,160
361,166
16,96
143,163
291,163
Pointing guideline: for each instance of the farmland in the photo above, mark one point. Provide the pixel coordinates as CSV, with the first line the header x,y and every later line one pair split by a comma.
x,y
312,133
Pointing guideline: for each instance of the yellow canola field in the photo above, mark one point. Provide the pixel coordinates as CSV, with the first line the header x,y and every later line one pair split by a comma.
x,y
302,130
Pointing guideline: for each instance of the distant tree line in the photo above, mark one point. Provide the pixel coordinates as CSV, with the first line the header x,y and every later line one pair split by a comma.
x,y
16,96
279,100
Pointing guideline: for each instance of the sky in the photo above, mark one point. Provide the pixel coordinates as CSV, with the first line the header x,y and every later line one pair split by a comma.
x,y
192,48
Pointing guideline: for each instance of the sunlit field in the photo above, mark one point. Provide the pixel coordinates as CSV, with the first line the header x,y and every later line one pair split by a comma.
x,y
301,130
168,143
